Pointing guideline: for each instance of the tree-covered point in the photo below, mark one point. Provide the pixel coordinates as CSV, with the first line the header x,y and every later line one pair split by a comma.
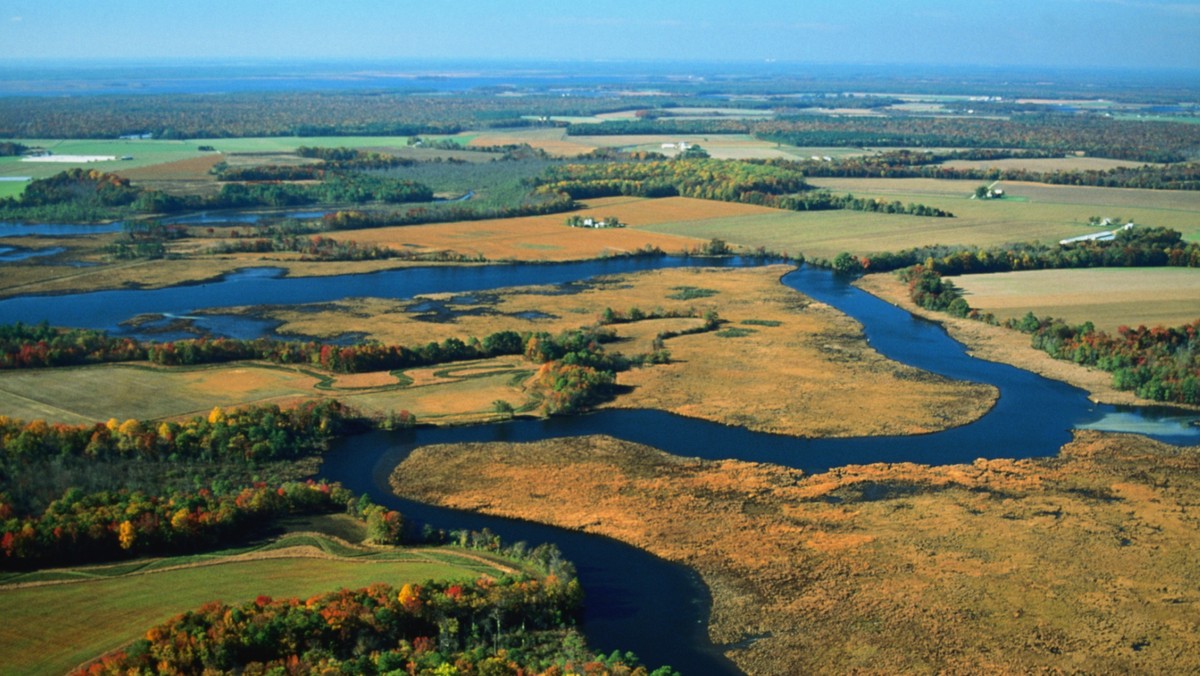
x,y
511,626
11,148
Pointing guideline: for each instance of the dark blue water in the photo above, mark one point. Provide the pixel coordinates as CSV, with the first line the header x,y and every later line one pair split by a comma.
x,y
9,254
234,217
108,310
56,229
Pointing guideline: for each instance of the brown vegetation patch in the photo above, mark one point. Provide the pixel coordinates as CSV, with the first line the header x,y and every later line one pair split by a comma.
x,y
353,381
554,141
1080,563
836,384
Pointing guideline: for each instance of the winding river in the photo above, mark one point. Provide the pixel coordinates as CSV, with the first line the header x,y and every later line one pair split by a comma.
x,y
636,601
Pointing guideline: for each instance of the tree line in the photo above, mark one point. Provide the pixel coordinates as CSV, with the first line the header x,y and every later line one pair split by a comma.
x,y
916,164
91,195
770,183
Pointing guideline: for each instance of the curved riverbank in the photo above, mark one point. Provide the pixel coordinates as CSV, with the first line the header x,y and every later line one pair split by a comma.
x,y
995,343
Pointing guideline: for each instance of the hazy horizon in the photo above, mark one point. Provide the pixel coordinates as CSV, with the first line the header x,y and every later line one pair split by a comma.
x,y
1055,34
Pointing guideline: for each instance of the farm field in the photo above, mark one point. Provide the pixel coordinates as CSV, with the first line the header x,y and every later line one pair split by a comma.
x,y
103,607
1106,297
85,395
547,238
151,152
1034,212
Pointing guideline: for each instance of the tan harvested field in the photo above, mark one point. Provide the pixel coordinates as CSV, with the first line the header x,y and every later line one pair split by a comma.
x,y
547,238
840,386
553,140
1106,297
1082,563
91,394
1034,212
94,393
1046,164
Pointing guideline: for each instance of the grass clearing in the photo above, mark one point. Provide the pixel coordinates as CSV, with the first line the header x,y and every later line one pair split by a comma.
x,y
107,608
1106,297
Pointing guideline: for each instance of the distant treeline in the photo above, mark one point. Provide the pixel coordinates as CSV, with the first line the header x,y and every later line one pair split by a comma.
x,y
917,164
10,149
1138,140
300,114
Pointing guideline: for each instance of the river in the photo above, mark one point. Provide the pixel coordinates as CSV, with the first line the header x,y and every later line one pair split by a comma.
x,y
636,601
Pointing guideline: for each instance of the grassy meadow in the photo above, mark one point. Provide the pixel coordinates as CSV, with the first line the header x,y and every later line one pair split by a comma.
x,y
99,608
1106,297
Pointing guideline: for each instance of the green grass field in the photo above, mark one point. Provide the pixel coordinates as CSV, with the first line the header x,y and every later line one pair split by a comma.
x,y
1106,297
150,151
12,188
52,628
1034,212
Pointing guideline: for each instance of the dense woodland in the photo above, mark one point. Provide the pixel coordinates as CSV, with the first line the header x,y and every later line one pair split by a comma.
x,y
771,183
494,627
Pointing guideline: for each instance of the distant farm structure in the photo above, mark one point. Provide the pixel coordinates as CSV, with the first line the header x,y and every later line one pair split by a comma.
x,y
598,223
1102,236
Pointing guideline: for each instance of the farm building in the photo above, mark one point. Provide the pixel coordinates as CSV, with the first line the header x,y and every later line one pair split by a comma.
x,y
1103,236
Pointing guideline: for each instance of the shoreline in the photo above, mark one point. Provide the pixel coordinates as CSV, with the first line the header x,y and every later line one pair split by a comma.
x,y
998,344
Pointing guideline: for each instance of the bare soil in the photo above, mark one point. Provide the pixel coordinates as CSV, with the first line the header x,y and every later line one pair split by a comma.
x,y
1082,563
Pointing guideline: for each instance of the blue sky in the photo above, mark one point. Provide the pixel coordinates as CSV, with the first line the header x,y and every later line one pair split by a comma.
x,y
1059,33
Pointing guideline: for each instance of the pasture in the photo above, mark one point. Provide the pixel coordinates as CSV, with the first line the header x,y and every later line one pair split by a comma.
x,y
98,608
1106,297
